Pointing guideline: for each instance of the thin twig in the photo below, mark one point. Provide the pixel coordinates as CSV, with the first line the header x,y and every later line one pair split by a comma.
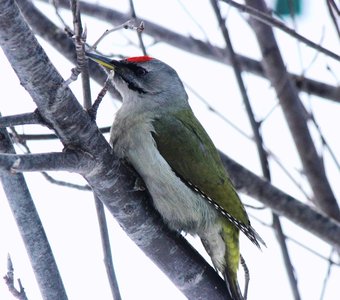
x,y
130,24
289,175
62,88
9,280
78,187
94,108
17,140
56,9
82,61
216,112
255,207
286,258
269,20
334,5
107,249
198,25
331,5
139,32
324,141
327,276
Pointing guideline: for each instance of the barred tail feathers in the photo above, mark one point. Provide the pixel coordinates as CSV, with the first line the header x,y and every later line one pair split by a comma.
x,y
232,285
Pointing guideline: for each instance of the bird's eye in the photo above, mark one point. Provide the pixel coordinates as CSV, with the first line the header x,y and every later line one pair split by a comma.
x,y
140,71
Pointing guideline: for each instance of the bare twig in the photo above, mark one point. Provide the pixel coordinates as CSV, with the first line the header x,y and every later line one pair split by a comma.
x,y
62,88
217,113
286,257
255,207
269,20
324,141
66,184
56,9
327,276
130,24
9,280
107,250
82,61
334,5
313,251
141,27
191,17
37,137
17,140
94,108
331,5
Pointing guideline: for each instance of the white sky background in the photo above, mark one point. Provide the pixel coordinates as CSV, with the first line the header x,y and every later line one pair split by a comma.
x,y
69,216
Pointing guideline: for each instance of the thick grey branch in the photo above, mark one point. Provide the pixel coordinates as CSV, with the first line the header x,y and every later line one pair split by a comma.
x,y
22,119
68,161
29,224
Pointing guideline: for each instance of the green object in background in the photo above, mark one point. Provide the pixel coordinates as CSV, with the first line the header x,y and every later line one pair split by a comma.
x,y
288,7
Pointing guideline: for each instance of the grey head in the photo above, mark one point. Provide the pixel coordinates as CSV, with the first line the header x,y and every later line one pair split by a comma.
x,y
146,79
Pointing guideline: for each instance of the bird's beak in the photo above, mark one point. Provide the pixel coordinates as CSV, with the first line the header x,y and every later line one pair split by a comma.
x,y
110,64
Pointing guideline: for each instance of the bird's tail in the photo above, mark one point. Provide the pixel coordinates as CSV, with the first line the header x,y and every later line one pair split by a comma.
x,y
232,285
230,236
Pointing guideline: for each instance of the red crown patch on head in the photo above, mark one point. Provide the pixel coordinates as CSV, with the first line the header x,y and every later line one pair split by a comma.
x,y
139,59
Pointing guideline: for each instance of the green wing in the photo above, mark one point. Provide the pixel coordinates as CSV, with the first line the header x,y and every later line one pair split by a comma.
x,y
188,149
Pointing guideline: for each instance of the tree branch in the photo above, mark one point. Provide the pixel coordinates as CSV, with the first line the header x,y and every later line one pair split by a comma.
x,y
65,161
9,280
266,18
27,219
104,234
22,119
40,24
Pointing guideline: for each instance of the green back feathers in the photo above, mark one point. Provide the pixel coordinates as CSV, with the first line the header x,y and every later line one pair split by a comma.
x,y
186,146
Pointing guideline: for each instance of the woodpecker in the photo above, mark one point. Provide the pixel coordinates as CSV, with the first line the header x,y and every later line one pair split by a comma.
x,y
156,131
